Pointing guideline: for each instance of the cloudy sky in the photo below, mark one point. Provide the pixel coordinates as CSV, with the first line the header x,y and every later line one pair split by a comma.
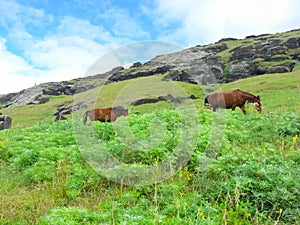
x,y
54,40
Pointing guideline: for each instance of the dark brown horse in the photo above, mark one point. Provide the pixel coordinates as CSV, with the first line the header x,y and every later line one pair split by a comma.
x,y
105,114
231,100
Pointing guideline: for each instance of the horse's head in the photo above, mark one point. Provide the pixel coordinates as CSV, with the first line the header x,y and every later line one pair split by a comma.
x,y
257,103
125,112
120,111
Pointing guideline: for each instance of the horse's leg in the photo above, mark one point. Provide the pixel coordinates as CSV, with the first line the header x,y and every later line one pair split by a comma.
x,y
243,109
233,107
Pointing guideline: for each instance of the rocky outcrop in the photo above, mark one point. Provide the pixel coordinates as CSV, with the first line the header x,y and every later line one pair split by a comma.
x,y
144,101
28,96
7,98
168,97
207,71
227,60
5,122
293,43
241,69
68,109
265,49
255,55
194,65
59,118
39,93
145,71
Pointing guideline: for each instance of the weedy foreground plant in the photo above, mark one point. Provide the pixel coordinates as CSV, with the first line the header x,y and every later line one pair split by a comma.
x,y
254,178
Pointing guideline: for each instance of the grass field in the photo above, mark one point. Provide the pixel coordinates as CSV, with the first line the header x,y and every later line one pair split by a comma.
x,y
279,92
253,178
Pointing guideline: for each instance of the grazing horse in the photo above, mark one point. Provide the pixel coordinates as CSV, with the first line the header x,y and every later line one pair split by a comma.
x,y
231,100
105,114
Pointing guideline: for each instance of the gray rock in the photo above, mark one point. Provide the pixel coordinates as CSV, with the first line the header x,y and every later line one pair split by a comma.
x,y
60,117
144,101
8,97
278,69
226,39
5,122
32,95
148,71
215,48
240,70
136,64
293,43
65,109
167,97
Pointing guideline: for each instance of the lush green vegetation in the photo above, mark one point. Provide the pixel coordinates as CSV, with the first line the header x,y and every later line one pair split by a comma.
x,y
284,62
253,178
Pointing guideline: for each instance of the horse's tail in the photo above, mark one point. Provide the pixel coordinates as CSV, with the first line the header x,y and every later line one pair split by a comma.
x,y
206,101
85,117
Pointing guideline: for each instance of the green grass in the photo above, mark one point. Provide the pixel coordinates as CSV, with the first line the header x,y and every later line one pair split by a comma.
x,y
253,180
279,92
123,93
30,115
119,93
226,54
226,70
284,62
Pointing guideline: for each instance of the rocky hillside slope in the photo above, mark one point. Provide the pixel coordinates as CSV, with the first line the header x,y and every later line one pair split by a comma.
x,y
224,61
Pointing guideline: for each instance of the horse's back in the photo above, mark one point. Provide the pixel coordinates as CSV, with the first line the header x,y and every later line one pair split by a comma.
x,y
222,99
229,99
107,114
216,99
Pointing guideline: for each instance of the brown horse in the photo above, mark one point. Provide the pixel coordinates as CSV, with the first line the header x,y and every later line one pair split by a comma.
x,y
105,114
231,100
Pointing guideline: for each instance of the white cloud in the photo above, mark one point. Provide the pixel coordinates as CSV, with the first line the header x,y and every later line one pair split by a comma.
x,y
203,22
49,48
12,69
65,53
123,24
14,15
39,47
71,26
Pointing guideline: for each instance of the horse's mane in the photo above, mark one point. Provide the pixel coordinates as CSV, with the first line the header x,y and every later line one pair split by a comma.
x,y
244,92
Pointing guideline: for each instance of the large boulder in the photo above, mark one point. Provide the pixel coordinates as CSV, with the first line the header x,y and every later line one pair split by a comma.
x,y
278,69
60,117
207,71
167,97
65,109
201,74
32,95
144,101
147,71
293,43
266,49
5,122
6,98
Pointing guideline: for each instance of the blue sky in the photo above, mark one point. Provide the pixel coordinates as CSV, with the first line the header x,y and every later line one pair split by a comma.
x,y
55,40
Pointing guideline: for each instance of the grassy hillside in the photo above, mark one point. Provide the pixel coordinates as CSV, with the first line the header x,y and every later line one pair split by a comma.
x,y
253,179
279,92
284,36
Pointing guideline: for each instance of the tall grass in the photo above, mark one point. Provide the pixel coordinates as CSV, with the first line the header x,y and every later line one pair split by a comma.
x,y
254,178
